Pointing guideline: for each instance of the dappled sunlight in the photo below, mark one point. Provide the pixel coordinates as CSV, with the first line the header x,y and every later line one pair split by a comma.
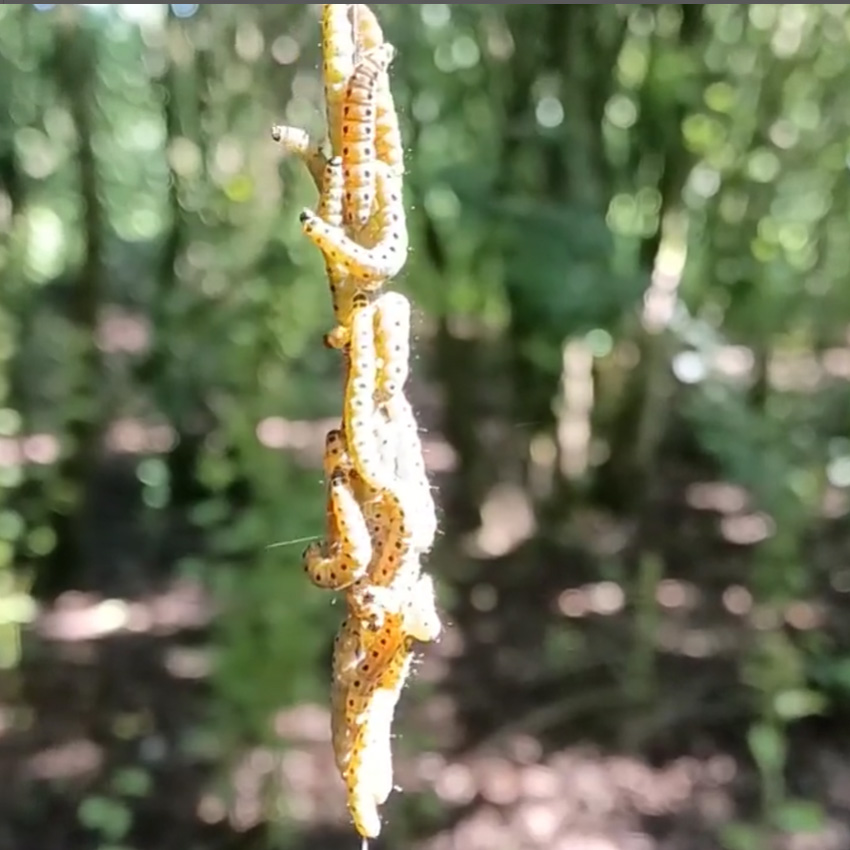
x,y
137,437
73,760
83,617
507,520
562,800
604,599
123,332
37,449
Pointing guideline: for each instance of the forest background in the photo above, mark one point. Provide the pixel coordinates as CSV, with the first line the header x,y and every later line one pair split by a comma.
x,y
630,270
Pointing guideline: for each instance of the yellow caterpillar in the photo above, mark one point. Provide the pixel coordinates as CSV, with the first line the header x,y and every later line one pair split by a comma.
x,y
337,63
330,200
359,120
388,144
392,343
341,560
359,403
368,774
370,266
297,142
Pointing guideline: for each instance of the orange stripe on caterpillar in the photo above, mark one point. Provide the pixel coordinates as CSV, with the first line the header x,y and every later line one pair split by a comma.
x,y
392,343
297,142
346,556
370,266
330,200
359,126
337,63
359,411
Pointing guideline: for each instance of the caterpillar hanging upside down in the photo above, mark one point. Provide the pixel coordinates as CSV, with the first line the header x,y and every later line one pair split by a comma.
x,y
380,516
359,126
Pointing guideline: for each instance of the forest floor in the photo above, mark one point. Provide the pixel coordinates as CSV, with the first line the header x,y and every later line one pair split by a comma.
x,y
539,721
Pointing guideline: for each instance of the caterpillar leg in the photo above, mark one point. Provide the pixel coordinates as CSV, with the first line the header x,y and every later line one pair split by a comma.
x,y
297,142
338,63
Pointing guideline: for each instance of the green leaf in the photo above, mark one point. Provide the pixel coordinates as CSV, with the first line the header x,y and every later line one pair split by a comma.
x,y
768,746
798,703
799,816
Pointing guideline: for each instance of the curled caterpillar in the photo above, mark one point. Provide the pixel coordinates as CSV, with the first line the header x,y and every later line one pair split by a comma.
x,y
342,560
371,266
297,142
392,343
359,119
338,63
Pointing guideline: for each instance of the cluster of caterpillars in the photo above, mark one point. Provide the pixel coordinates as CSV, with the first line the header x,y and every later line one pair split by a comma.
x,y
381,517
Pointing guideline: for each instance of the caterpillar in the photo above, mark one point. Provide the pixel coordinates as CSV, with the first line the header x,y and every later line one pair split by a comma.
x,y
342,560
330,200
373,265
368,773
359,403
337,64
388,144
297,142
412,475
358,134
392,343
367,31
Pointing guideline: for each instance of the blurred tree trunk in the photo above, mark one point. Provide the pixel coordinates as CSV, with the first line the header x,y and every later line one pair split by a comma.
x,y
75,70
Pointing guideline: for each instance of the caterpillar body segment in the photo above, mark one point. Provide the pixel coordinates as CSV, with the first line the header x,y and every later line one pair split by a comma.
x,y
359,404
421,618
298,142
412,475
388,143
392,343
389,148
359,126
331,198
338,51
367,31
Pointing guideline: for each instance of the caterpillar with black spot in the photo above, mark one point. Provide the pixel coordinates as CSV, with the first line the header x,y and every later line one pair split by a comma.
x,y
359,122
359,403
388,143
392,343
345,557
371,266
338,51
